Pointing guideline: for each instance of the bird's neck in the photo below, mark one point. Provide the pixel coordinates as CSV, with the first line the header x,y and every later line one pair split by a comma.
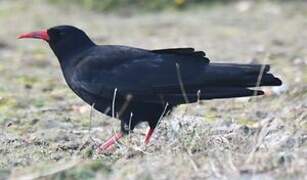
x,y
69,52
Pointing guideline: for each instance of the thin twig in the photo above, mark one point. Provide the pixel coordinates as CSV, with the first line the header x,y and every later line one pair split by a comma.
x,y
129,126
261,72
195,166
91,117
181,84
90,124
113,103
198,95
162,114
130,119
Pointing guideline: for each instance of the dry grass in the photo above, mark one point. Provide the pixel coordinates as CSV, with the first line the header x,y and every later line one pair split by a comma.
x,y
45,127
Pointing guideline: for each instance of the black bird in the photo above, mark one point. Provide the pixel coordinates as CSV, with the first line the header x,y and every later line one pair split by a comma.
x,y
137,85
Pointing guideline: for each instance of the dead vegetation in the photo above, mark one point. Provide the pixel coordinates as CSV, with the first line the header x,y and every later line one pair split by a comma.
x,y
45,127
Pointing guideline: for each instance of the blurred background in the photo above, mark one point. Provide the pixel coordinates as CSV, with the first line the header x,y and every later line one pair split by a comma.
x,y
47,132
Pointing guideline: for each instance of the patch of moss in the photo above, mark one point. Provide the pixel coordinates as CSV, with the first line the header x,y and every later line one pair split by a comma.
x,y
246,122
39,103
27,80
210,117
7,103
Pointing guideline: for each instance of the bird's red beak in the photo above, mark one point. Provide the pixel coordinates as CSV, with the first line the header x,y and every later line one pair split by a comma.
x,y
37,35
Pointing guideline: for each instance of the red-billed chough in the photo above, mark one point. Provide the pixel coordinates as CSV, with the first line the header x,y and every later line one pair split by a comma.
x,y
137,85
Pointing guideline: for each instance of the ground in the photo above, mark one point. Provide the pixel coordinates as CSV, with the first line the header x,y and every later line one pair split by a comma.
x,y
46,130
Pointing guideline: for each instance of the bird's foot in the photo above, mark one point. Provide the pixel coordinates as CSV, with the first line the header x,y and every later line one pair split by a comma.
x,y
110,142
148,135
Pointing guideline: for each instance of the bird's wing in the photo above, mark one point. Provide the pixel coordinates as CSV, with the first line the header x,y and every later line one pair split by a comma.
x,y
183,52
146,75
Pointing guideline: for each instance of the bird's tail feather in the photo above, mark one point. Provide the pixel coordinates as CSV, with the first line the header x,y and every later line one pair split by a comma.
x,y
218,80
239,75
228,81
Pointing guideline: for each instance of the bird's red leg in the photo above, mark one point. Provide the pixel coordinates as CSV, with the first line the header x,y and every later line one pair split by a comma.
x,y
112,140
148,135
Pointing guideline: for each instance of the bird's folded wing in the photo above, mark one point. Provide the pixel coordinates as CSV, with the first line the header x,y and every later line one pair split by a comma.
x,y
190,52
147,78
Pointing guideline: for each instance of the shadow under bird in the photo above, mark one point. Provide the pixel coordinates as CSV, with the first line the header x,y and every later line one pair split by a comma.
x,y
139,85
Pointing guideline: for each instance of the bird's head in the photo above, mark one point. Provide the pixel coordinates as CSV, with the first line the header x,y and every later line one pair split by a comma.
x,y
63,40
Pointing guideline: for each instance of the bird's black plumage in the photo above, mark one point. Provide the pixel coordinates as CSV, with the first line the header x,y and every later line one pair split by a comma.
x,y
146,80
